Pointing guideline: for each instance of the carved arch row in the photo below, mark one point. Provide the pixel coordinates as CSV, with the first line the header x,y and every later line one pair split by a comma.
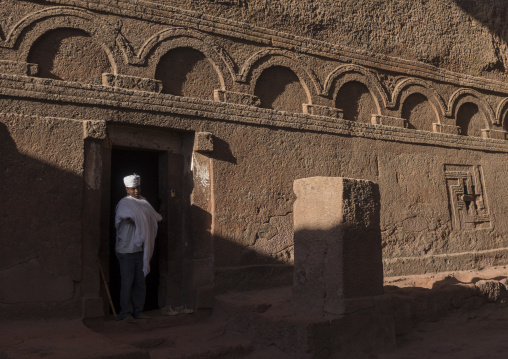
x,y
409,86
403,89
119,51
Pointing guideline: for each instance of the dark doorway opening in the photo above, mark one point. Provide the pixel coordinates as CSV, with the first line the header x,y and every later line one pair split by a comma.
x,y
125,162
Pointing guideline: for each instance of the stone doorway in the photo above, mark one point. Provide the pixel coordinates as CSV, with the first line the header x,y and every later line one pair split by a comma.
x,y
169,164
147,165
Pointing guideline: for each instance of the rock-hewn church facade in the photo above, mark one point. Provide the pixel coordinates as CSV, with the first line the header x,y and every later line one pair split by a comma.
x,y
220,116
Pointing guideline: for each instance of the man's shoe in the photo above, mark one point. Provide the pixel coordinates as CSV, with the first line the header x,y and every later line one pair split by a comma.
x,y
142,316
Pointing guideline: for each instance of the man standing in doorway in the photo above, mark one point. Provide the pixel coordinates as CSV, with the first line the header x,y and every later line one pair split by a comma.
x,y
136,229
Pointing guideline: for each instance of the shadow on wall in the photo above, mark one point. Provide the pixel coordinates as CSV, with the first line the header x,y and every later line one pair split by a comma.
x,y
355,99
418,112
187,72
251,256
253,266
54,51
279,88
222,151
470,120
40,257
491,14
414,304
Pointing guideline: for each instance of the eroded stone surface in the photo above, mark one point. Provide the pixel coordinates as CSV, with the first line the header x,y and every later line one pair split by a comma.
x,y
287,90
337,243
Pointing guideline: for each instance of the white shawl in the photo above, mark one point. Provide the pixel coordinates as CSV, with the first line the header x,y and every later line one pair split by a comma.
x,y
145,218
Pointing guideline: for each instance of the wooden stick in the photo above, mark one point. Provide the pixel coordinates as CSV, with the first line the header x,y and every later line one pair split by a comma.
x,y
107,288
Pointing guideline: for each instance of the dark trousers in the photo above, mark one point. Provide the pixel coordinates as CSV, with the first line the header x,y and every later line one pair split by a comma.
x,y
132,288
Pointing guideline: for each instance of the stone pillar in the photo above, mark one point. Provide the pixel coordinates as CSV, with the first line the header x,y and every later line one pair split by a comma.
x,y
94,135
202,221
337,241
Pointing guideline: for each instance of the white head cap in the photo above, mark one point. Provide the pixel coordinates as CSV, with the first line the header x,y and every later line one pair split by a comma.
x,y
132,181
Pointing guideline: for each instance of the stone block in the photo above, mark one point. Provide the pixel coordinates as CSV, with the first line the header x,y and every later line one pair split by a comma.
x,y
492,290
495,134
449,129
203,142
18,68
337,241
485,133
238,98
94,130
388,121
132,83
326,111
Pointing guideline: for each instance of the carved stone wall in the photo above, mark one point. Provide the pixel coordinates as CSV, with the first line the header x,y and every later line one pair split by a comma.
x,y
279,106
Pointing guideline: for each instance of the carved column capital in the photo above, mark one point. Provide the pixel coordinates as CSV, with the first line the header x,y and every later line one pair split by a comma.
x,y
95,130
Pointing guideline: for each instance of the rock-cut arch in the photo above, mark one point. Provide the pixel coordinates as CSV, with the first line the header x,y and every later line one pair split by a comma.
x,y
360,80
418,112
356,102
470,119
49,19
502,114
262,60
69,55
167,40
280,88
185,71
417,97
483,120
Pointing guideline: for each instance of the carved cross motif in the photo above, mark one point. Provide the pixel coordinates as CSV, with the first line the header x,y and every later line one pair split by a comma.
x,y
467,197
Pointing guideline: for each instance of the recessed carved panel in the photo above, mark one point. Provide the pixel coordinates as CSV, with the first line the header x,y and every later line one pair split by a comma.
x,y
279,88
467,197
355,99
470,120
188,72
70,55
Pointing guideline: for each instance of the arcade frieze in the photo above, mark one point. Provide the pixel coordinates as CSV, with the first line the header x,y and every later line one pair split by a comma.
x,y
322,74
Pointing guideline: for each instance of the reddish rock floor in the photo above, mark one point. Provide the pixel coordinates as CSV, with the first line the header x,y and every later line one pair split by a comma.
x,y
475,329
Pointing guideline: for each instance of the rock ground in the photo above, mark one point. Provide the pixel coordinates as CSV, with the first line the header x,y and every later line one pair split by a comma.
x,y
481,334
475,330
